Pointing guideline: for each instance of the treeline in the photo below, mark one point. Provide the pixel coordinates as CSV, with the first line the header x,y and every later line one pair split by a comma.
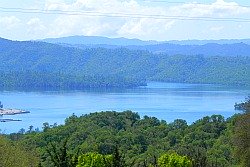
x,y
31,80
138,142
42,65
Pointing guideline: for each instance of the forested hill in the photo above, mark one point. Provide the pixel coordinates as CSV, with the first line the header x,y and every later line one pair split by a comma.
x,y
43,65
210,49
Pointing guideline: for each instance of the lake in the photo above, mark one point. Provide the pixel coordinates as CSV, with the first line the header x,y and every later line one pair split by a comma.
x,y
167,101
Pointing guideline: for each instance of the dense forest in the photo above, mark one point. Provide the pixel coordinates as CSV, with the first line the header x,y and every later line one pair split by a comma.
x,y
107,139
42,65
208,49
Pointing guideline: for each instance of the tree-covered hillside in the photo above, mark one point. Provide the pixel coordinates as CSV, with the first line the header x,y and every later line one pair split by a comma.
x,y
208,49
43,65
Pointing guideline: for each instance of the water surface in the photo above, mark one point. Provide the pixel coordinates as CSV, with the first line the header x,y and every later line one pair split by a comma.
x,y
167,101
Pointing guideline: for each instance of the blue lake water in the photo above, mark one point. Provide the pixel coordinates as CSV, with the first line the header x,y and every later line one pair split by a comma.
x,y
167,101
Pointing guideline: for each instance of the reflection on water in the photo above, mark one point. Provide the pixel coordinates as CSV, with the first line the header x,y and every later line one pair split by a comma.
x,y
166,101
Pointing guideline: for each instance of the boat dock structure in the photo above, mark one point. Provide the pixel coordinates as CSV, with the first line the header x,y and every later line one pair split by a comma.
x,y
4,111
12,111
8,120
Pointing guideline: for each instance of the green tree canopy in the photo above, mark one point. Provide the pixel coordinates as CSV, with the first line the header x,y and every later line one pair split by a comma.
x,y
95,160
174,160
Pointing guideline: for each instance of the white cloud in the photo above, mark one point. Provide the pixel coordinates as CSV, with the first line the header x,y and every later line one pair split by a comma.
x,y
36,27
35,22
144,28
216,28
114,26
219,8
228,8
9,22
93,18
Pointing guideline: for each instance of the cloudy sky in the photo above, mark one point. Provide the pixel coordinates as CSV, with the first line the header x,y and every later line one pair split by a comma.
x,y
143,19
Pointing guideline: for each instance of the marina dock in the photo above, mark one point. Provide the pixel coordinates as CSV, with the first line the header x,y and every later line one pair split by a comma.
x,y
8,120
12,111
5,111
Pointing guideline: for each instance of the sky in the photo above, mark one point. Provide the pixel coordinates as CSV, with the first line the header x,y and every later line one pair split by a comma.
x,y
160,20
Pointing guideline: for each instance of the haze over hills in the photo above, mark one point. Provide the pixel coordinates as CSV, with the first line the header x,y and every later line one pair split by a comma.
x,y
96,40
99,40
203,42
235,47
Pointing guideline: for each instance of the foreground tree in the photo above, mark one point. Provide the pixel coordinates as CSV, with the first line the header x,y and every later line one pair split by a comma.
x,y
95,160
59,155
242,134
174,160
12,155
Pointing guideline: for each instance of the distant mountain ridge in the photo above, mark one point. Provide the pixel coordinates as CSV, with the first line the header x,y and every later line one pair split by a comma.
x,y
203,42
99,40
192,47
96,40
